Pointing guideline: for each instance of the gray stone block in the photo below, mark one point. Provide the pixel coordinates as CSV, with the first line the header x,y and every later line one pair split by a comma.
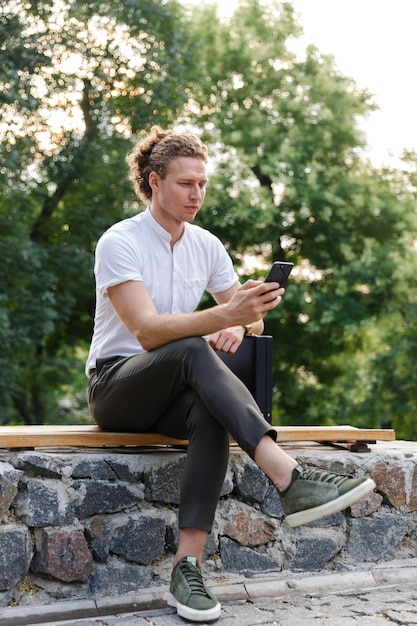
x,y
124,470
162,483
228,484
39,504
94,497
15,554
237,558
6,599
10,473
337,519
271,504
116,577
39,464
313,550
140,539
95,468
251,482
97,538
371,538
9,480
211,547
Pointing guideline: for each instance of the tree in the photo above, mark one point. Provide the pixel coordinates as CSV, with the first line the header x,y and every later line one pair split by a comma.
x,y
78,79
293,125
288,179
385,370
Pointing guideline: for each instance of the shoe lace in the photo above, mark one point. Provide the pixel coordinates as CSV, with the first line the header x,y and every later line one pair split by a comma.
x,y
194,578
323,477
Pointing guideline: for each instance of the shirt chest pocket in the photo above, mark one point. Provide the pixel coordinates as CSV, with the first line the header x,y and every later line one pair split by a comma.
x,y
193,291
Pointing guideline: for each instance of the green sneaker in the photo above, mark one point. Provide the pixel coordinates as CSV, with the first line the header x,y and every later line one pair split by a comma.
x,y
315,493
189,594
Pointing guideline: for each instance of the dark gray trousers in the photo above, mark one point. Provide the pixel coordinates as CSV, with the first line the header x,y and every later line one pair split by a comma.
x,y
185,391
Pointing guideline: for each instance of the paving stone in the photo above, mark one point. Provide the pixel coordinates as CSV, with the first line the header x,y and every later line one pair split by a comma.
x,y
375,607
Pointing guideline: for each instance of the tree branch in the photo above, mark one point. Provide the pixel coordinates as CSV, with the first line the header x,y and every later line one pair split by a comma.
x,y
72,169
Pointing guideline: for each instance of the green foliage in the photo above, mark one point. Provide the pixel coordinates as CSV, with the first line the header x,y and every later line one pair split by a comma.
x,y
288,179
349,228
78,79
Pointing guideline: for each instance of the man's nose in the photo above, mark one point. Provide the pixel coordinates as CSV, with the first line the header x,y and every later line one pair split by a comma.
x,y
196,192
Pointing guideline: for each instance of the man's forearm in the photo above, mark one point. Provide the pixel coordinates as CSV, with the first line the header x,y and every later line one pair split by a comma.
x,y
238,307
159,329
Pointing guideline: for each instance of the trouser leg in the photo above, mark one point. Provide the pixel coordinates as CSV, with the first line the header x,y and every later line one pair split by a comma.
x,y
183,390
136,392
206,461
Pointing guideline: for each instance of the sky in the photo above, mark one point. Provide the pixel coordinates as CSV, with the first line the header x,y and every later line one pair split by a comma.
x,y
375,43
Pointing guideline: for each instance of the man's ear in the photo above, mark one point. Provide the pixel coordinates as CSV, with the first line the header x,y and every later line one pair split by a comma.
x,y
154,181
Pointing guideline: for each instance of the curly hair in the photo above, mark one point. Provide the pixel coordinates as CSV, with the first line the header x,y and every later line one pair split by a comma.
x,y
155,153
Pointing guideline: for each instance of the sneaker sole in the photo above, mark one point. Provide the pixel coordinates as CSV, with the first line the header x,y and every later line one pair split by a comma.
x,y
334,506
194,615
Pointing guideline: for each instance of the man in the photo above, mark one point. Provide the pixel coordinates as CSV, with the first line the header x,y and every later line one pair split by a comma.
x,y
152,364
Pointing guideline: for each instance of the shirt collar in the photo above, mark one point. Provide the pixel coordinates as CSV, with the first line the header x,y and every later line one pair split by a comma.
x,y
159,230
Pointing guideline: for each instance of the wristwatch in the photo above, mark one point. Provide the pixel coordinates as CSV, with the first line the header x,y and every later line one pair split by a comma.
x,y
248,330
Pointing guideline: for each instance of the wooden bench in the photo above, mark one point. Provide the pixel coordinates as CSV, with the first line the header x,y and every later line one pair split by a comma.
x,y
252,363
90,436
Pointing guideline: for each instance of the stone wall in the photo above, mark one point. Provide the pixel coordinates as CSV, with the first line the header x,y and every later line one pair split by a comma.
x,y
85,524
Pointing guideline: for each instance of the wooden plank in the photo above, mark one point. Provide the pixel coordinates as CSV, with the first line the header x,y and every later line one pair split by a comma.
x,y
334,433
91,436
78,436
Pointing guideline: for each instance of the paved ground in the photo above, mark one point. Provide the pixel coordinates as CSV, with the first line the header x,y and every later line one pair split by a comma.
x,y
385,594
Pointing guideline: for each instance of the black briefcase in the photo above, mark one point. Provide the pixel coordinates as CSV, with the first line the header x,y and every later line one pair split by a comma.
x,y
252,363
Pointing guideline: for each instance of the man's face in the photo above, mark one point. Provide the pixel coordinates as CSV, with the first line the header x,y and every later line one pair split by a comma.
x,y
180,194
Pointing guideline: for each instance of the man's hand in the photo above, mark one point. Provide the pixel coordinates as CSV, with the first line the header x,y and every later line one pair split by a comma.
x,y
252,301
252,296
227,340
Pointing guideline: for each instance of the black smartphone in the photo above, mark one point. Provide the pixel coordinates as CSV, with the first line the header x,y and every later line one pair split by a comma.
x,y
279,273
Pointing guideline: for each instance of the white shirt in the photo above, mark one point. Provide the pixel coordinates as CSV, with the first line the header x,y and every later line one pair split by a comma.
x,y
138,248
